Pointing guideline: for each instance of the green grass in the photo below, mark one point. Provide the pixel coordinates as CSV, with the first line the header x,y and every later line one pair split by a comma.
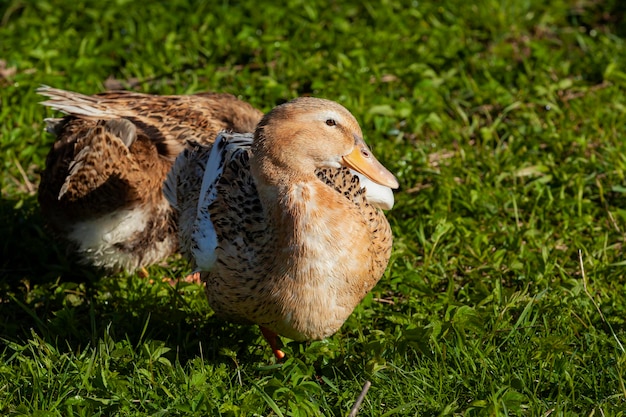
x,y
506,292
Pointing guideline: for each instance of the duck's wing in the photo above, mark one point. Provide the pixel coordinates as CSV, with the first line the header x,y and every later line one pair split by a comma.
x,y
98,156
193,186
86,157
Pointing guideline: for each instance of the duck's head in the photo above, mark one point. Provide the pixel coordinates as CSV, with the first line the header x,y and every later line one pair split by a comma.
x,y
308,133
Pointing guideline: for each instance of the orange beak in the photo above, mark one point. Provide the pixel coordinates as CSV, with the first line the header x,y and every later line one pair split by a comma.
x,y
362,160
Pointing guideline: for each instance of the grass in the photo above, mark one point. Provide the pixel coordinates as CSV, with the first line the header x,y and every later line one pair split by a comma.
x,y
506,292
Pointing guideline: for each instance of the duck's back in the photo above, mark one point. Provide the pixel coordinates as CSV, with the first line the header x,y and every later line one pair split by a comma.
x,y
168,120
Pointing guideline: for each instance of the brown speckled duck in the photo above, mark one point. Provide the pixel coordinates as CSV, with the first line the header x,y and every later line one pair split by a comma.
x,y
285,226
101,189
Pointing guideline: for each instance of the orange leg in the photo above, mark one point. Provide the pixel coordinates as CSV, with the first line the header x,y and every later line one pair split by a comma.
x,y
194,278
272,339
191,278
143,272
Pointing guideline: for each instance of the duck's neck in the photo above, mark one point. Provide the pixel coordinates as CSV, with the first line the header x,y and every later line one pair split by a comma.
x,y
274,180
294,202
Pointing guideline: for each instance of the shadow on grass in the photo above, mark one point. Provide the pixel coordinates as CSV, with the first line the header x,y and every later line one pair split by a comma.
x,y
609,13
44,292
28,252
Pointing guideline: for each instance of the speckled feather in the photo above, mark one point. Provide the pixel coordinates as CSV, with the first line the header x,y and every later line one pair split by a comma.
x,y
102,186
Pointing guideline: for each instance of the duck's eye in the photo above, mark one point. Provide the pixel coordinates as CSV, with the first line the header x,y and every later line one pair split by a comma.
x,y
331,122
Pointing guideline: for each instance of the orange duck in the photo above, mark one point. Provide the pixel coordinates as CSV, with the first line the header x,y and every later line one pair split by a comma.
x,y
285,226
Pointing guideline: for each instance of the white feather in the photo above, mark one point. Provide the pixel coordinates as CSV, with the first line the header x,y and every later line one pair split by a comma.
x,y
97,239
377,195
204,236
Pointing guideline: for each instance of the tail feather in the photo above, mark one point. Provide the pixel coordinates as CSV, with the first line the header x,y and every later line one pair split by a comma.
x,y
75,104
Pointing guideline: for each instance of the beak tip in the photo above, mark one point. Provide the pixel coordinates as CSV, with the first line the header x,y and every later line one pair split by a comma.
x,y
390,181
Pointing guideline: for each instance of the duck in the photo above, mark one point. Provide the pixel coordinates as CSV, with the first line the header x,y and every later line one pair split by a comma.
x,y
285,225
101,188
